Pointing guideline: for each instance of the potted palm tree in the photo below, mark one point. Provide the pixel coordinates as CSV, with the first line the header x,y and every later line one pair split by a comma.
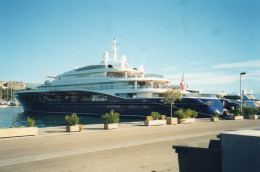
x,y
72,123
155,119
170,96
111,120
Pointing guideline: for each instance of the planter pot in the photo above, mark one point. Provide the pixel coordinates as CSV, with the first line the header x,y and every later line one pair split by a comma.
x,y
253,116
13,132
237,117
171,121
111,126
73,128
186,120
214,119
155,122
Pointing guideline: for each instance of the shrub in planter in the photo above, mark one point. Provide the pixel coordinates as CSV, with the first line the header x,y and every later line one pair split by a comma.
x,y
189,113
81,127
30,121
163,117
72,123
112,117
180,114
215,116
155,115
72,119
237,112
194,114
187,116
149,118
20,131
111,120
155,119
247,111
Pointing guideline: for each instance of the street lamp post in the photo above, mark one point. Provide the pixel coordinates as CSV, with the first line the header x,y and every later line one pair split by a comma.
x,y
242,73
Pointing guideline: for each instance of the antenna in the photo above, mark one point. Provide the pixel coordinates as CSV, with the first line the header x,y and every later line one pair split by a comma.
x,y
144,54
45,73
133,47
115,48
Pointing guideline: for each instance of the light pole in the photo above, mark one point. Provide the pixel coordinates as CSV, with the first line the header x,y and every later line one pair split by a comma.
x,y
242,73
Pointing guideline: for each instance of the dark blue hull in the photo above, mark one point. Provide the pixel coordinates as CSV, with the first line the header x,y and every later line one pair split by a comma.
x,y
91,103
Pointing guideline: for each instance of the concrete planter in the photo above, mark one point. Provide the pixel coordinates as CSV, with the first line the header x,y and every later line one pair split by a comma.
x,y
186,120
253,116
73,128
155,122
171,121
237,117
111,126
14,132
214,119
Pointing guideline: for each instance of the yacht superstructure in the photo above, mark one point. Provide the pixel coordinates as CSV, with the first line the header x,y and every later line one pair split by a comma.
x,y
249,99
112,84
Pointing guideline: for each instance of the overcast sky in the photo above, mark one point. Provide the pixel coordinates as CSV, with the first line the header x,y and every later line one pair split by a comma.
x,y
210,41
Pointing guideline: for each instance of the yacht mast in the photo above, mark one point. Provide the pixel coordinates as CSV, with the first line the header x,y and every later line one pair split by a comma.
x,y
45,73
115,48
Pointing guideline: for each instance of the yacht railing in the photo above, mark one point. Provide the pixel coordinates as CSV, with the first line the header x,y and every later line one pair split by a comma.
x,y
108,88
136,76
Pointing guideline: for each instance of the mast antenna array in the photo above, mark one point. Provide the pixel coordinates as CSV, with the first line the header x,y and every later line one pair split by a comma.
x,y
115,48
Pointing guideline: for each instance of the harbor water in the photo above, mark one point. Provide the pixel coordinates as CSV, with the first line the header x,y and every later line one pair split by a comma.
x,y
15,116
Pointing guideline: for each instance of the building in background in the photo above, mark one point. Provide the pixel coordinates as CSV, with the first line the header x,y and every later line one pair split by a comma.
x,y
14,85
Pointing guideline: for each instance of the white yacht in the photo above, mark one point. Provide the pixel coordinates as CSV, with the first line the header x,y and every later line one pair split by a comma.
x,y
249,99
112,84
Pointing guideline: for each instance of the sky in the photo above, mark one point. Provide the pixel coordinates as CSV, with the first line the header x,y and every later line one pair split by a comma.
x,y
210,41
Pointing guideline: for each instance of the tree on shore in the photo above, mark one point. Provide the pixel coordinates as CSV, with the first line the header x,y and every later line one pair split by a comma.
x,y
170,96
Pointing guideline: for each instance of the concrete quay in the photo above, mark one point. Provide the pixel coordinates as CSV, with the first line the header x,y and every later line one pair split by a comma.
x,y
132,147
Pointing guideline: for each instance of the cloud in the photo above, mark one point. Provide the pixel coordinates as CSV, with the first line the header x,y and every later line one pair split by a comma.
x,y
197,63
184,25
252,63
201,68
253,72
209,78
170,68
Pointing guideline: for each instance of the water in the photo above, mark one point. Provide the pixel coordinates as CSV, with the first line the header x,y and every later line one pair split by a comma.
x,y
10,116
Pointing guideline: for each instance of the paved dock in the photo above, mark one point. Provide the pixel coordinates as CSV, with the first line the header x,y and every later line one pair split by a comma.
x,y
132,147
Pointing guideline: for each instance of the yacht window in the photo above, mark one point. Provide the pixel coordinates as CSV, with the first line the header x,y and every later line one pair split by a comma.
x,y
98,98
73,98
110,66
85,99
57,98
106,86
121,94
156,95
131,95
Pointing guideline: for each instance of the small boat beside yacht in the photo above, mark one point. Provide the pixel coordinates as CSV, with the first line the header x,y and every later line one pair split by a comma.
x,y
112,84
232,101
249,99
